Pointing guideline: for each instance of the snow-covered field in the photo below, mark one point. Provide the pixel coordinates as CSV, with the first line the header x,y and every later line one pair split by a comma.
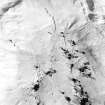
x,y
51,52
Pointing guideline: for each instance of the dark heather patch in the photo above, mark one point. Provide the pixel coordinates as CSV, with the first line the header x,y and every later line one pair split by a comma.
x,y
68,99
91,5
71,67
75,80
86,63
92,17
68,54
73,42
81,94
83,69
84,101
36,87
51,72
